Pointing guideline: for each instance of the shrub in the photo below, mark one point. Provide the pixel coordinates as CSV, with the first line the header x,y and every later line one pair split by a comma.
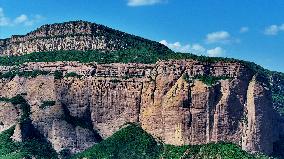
x,y
72,74
210,80
65,154
46,104
58,74
33,74
186,77
18,99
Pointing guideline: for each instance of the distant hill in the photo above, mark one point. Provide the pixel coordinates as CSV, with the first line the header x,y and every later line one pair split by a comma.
x,y
75,35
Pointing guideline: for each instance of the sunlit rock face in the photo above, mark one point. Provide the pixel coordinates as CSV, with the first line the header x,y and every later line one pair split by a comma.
x,y
164,98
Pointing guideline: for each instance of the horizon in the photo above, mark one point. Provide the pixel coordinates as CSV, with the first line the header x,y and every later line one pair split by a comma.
x,y
231,30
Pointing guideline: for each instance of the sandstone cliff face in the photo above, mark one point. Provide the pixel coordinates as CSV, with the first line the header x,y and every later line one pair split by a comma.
x,y
258,108
165,98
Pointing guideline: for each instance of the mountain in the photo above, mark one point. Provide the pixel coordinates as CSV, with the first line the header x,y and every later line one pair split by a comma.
x,y
69,86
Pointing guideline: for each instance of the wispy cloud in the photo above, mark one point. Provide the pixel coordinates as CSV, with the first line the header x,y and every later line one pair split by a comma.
x,y
244,29
136,3
218,51
22,19
218,37
3,20
194,48
274,29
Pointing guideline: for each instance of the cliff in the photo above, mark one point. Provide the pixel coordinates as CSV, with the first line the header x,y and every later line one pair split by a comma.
x,y
166,98
75,105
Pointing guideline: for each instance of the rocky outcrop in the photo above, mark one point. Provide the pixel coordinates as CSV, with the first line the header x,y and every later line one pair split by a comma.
x,y
259,118
75,35
165,98
8,115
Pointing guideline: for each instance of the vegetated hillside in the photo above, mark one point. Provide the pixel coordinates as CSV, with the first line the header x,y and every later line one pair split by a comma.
x,y
132,142
33,147
75,35
277,83
128,143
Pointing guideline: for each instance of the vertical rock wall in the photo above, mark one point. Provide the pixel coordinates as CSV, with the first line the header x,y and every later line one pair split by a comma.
x,y
259,128
164,98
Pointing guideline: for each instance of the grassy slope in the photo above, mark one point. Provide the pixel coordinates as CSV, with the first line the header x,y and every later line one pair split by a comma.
x,y
132,142
129,142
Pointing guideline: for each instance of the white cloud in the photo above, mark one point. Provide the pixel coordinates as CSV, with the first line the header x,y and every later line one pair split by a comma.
x,y
135,3
3,20
273,29
218,37
197,49
218,51
21,19
193,48
244,29
177,46
33,20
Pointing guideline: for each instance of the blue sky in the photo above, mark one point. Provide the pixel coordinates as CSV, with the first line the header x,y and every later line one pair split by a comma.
x,y
245,29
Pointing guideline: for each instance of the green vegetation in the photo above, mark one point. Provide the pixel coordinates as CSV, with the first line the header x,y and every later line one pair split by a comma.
x,y
24,106
72,74
124,56
210,80
3,99
130,142
133,142
38,148
186,77
46,104
6,144
58,74
277,89
33,144
142,53
176,152
220,150
64,154
13,73
278,98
